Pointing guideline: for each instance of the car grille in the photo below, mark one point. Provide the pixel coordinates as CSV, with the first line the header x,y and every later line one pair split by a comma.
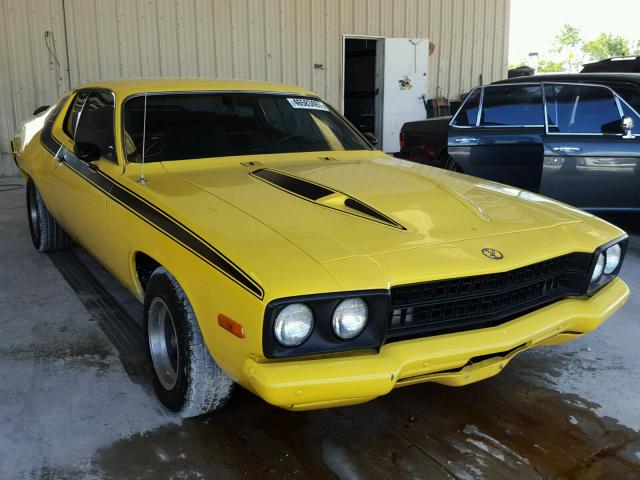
x,y
473,302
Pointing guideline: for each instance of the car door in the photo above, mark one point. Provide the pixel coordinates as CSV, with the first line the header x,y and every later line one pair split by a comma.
x,y
588,161
81,204
497,132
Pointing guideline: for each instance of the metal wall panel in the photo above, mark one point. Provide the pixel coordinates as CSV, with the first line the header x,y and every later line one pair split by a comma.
x,y
292,41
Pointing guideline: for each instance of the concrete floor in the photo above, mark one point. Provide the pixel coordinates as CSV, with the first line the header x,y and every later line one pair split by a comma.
x,y
75,401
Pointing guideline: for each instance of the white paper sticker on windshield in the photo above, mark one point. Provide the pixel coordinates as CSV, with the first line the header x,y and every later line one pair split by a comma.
x,y
307,103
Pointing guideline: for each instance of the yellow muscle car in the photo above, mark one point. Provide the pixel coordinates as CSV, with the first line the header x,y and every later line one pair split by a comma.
x,y
274,247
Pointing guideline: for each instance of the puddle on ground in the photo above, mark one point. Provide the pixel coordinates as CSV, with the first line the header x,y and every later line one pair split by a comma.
x,y
500,428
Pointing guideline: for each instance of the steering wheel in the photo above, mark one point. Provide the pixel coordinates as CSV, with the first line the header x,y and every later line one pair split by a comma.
x,y
153,146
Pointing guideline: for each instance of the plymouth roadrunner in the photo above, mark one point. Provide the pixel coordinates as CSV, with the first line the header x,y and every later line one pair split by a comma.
x,y
272,246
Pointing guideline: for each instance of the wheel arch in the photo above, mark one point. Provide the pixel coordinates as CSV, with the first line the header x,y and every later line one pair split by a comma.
x,y
143,266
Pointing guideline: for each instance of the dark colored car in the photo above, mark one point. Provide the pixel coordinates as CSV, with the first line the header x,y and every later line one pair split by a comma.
x,y
521,71
629,64
572,137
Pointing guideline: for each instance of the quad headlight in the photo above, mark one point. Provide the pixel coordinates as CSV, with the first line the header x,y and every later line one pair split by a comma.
x,y
607,264
293,324
613,254
349,318
599,268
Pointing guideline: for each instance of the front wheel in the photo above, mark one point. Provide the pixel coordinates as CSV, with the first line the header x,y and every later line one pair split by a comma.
x,y
185,377
46,234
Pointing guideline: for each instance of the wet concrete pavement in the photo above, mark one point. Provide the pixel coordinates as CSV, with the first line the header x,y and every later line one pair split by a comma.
x,y
75,401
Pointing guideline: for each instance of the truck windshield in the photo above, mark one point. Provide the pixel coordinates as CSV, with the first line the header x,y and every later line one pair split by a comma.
x,y
202,125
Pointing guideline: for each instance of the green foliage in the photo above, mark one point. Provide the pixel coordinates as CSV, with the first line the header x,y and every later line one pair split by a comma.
x,y
574,50
607,45
549,66
569,37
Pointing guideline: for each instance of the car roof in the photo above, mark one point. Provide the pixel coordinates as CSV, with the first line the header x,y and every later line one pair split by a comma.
x,y
576,77
126,87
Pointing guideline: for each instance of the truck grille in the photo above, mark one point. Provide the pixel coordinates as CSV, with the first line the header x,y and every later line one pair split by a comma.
x,y
473,302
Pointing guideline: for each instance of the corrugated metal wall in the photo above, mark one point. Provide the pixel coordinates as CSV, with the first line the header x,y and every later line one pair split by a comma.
x,y
276,40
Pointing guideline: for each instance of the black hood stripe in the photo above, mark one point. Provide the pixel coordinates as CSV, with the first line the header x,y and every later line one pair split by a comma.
x,y
155,217
312,192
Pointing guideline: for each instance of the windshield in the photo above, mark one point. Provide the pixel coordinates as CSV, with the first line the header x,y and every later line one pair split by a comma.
x,y
201,125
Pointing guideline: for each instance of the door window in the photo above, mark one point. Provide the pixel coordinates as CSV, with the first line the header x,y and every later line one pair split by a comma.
x,y
512,106
575,108
71,120
468,113
95,123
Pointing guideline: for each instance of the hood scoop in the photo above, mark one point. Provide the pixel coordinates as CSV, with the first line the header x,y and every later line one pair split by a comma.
x,y
323,196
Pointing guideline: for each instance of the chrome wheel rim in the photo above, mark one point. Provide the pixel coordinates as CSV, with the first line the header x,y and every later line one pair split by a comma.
x,y
163,343
34,216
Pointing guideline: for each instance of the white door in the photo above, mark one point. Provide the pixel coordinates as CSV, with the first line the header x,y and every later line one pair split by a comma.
x,y
405,86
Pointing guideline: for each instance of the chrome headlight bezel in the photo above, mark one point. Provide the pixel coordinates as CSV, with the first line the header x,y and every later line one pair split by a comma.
x,y
594,284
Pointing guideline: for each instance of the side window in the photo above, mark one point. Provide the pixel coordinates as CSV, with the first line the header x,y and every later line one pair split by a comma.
x,y
512,105
629,92
575,108
468,113
71,120
95,123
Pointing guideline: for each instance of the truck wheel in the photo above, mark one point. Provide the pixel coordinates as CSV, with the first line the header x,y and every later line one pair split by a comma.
x,y
46,234
185,377
452,165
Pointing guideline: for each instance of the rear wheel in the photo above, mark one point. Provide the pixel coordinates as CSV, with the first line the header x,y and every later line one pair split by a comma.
x,y
46,234
452,165
185,377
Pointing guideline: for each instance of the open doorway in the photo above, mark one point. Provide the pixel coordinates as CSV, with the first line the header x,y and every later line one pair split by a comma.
x,y
362,99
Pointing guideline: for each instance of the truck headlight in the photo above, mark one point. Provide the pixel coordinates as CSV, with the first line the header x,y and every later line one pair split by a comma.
x,y
613,254
599,268
349,318
293,324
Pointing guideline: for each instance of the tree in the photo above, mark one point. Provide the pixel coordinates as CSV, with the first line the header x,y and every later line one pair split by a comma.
x,y
567,43
569,37
549,66
607,45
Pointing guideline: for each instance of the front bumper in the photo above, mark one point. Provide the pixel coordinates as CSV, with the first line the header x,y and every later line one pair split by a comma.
x,y
451,359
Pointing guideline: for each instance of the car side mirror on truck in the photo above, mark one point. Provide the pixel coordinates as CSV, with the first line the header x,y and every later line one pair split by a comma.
x,y
626,125
87,152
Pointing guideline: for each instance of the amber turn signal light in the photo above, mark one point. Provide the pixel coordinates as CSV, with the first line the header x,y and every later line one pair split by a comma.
x,y
231,325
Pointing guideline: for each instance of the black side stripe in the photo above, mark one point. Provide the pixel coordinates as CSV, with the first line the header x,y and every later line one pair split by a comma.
x,y
158,219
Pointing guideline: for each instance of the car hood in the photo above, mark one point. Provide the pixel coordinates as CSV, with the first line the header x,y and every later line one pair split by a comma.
x,y
367,204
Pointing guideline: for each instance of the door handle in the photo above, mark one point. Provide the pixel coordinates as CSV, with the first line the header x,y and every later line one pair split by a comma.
x,y
466,140
566,149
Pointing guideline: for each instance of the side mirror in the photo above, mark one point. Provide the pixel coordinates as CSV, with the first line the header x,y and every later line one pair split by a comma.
x,y
40,109
626,124
371,137
87,152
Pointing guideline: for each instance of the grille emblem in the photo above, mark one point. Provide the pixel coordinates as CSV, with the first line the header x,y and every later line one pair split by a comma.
x,y
492,254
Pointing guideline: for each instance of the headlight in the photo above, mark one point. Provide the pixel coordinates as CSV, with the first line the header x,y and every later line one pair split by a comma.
x,y
599,268
613,254
293,324
350,318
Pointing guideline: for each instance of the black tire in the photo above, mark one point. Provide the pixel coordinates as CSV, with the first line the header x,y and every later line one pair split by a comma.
x,y
200,386
46,234
451,165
